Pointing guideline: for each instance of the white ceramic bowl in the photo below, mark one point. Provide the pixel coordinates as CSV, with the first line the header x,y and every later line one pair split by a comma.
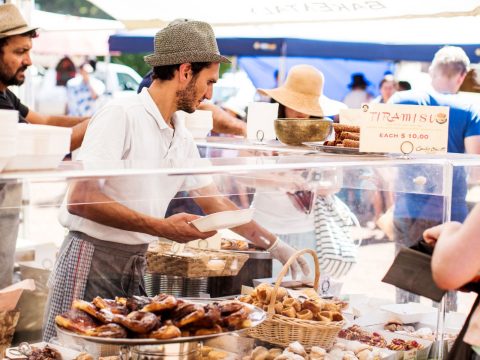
x,y
8,123
40,147
8,149
223,220
199,132
199,123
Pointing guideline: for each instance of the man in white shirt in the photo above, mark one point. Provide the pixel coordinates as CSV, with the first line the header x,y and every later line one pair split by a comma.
x,y
112,221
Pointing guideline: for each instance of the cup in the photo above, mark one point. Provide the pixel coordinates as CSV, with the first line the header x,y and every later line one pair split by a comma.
x,y
199,123
8,123
260,119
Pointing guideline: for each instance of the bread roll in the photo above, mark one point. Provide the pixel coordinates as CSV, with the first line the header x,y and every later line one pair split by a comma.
x,y
305,315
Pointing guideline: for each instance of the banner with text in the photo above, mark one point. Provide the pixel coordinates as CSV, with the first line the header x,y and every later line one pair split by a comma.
x,y
404,129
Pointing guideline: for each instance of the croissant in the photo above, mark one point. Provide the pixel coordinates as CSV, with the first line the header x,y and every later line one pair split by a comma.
x,y
161,302
305,315
289,312
167,331
291,302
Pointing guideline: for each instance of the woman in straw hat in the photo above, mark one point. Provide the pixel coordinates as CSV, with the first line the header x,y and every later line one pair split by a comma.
x,y
300,97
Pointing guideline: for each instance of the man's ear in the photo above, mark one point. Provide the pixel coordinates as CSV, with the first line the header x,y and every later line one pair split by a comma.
x,y
185,72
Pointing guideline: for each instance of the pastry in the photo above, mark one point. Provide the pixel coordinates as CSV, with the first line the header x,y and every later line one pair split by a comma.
x,y
351,143
305,315
339,128
289,312
317,353
260,353
274,352
217,354
297,348
291,302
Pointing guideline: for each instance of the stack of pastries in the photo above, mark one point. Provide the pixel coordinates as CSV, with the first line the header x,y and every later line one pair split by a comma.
x,y
161,317
345,136
316,309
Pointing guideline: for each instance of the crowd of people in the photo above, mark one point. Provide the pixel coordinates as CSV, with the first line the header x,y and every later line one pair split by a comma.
x,y
106,236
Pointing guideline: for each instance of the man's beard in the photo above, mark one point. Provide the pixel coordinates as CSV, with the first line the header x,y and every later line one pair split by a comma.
x,y
186,99
8,79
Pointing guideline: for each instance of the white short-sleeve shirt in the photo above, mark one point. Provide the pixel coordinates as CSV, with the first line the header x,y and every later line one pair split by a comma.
x,y
133,129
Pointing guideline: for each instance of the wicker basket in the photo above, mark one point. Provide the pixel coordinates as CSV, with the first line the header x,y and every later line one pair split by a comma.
x,y
282,330
161,260
8,322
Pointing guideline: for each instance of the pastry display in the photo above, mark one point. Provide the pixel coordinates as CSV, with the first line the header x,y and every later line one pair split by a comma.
x,y
295,351
355,332
422,333
161,317
46,353
403,345
317,309
235,244
396,325
345,136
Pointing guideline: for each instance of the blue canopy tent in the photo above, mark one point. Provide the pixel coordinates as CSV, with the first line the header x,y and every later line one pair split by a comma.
x,y
260,57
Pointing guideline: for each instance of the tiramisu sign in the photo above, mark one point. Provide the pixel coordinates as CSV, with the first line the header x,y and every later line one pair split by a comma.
x,y
404,128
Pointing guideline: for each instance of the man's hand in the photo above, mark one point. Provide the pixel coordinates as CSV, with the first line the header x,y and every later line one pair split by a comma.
x,y
178,228
432,234
282,252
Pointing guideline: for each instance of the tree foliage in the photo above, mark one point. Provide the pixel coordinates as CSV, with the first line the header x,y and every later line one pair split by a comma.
x,y
72,7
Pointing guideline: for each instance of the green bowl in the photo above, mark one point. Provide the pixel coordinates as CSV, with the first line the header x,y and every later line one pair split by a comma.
x,y
297,131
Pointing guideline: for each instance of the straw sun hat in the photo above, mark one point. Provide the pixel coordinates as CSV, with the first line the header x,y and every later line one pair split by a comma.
x,y
185,41
302,92
12,22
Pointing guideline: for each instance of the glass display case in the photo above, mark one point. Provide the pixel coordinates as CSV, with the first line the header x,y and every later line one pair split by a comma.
x,y
374,205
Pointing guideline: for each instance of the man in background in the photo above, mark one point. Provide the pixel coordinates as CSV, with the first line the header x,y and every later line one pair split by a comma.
x,y
83,92
15,45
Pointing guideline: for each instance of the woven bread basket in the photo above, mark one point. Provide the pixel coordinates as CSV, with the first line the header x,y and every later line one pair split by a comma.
x,y
282,330
194,263
8,322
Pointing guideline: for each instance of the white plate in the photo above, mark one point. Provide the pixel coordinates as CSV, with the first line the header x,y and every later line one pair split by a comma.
x,y
223,220
410,312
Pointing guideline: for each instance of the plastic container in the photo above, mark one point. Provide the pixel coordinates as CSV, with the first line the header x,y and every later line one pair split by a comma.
x,y
40,147
408,313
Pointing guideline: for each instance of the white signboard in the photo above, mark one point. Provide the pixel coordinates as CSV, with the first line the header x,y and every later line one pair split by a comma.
x,y
404,129
260,126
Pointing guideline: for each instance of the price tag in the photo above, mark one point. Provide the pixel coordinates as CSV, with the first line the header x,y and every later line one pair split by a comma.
x,y
404,129
410,354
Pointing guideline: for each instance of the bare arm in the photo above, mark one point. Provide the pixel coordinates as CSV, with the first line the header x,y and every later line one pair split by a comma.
x,y
455,260
86,200
211,201
78,125
472,144
54,120
225,123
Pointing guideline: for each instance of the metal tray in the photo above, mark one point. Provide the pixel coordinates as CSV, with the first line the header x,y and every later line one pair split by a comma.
x,y
257,316
341,150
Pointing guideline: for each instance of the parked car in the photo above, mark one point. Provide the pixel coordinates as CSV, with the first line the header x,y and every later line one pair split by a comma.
x,y
120,81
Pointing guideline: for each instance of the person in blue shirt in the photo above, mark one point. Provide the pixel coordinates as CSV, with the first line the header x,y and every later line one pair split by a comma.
x,y
416,212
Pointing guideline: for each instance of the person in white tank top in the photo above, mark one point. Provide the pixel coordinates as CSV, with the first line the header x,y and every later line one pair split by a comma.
x,y
299,97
